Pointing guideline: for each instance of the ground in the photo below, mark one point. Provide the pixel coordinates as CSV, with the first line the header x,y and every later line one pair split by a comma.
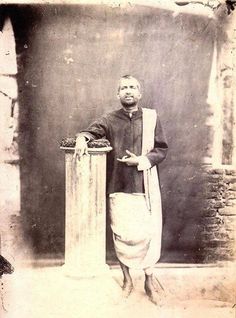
x,y
47,292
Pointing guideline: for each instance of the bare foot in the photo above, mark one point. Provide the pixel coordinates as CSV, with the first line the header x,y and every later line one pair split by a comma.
x,y
157,285
127,289
151,290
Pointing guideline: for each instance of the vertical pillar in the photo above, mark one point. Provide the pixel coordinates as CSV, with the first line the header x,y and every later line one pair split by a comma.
x,y
234,91
213,120
218,123
9,155
85,248
221,96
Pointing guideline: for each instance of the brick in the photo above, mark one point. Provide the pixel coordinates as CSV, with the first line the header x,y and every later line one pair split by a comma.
x,y
230,203
232,187
231,195
211,243
223,195
219,205
218,243
213,195
230,179
231,231
217,187
229,219
209,213
207,237
227,250
230,223
230,172
211,227
231,235
217,171
209,255
225,256
215,178
213,204
228,211
209,205
224,250
222,236
212,220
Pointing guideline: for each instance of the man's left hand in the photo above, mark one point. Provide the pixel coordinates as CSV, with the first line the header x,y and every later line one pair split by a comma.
x,y
132,160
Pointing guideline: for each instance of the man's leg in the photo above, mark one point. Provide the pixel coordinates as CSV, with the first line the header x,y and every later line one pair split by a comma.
x,y
152,286
149,284
127,282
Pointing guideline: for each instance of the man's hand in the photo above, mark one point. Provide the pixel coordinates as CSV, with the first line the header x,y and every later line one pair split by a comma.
x,y
81,147
131,160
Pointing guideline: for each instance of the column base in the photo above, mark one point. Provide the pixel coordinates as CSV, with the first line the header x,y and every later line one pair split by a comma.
x,y
79,272
94,291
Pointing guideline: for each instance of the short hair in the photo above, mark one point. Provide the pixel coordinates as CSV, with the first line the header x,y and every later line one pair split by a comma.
x,y
129,77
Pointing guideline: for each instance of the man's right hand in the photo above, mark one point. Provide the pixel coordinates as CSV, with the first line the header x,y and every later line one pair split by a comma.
x,y
81,147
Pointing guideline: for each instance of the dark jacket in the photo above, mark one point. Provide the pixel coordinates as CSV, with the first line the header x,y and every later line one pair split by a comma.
x,y
125,133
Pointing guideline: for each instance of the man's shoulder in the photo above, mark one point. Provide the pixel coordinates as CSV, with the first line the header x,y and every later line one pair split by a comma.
x,y
113,114
119,113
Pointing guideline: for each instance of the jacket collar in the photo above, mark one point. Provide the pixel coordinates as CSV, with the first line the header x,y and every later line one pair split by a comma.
x,y
123,114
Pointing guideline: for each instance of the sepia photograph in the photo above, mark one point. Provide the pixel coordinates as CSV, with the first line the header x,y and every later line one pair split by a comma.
x,y
117,158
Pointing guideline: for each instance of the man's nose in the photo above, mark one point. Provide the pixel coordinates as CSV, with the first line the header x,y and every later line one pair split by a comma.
x,y
128,91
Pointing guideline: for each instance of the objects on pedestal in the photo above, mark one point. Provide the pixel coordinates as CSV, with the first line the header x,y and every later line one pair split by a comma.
x,y
85,248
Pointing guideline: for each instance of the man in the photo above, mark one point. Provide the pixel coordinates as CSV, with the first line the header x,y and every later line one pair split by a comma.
x,y
139,145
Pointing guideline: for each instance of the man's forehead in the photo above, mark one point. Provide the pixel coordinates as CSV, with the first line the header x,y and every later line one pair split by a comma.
x,y
129,82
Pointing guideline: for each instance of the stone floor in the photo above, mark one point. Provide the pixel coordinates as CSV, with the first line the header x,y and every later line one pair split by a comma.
x,y
46,292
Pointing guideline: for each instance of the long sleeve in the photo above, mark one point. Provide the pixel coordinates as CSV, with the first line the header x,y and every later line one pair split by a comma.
x,y
98,129
159,152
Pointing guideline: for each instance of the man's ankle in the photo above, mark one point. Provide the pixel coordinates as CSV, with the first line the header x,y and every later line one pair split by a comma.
x,y
148,271
127,281
148,277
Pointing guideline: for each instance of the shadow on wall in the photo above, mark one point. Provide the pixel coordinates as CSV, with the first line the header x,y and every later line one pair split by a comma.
x,y
70,59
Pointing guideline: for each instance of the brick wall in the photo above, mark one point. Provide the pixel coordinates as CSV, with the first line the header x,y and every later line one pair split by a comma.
x,y
219,215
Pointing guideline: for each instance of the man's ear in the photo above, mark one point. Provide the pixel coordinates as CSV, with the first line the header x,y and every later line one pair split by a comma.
x,y
118,95
140,95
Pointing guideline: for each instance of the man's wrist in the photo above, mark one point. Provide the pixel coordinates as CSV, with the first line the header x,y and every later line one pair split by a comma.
x,y
83,137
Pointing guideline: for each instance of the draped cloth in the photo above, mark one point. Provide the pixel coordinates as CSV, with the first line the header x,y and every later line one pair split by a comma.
x,y
136,218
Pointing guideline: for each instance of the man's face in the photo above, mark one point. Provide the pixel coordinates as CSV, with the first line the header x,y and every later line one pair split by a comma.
x,y
129,92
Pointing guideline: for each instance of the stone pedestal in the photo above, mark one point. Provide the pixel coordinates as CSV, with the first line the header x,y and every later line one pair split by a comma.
x,y
85,248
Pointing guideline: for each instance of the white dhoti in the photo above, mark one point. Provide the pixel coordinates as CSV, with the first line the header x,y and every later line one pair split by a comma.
x,y
136,231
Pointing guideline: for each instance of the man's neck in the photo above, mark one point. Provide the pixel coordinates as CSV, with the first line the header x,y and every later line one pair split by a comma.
x,y
131,109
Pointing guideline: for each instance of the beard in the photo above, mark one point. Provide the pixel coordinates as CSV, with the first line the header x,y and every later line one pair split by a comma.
x,y
128,104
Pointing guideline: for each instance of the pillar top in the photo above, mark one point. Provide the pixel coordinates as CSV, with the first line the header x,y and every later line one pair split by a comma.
x,y
95,147
91,151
